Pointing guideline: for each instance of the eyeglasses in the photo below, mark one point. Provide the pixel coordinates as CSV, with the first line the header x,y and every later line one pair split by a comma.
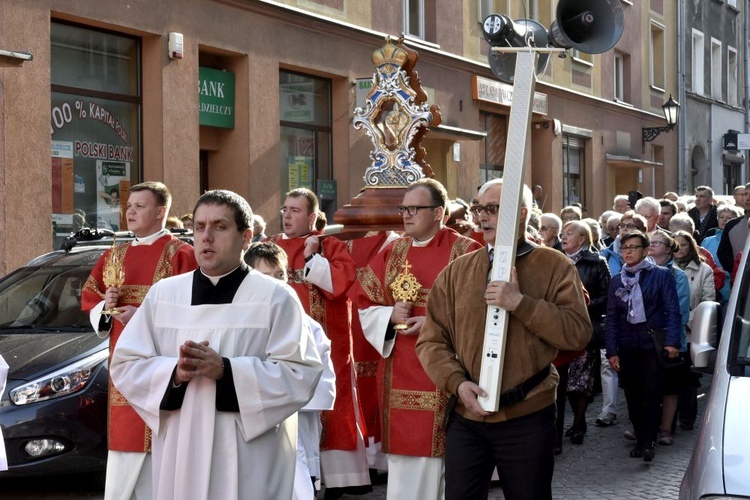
x,y
490,209
630,248
629,225
657,243
413,209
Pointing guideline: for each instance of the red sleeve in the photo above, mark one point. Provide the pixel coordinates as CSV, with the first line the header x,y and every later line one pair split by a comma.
x,y
719,276
93,290
736,265
343,268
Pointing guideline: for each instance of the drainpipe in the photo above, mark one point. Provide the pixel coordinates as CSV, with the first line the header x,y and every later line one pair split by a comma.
x,y
681,130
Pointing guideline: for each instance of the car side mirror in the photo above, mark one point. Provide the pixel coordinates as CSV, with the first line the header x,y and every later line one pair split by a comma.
x,y
704,336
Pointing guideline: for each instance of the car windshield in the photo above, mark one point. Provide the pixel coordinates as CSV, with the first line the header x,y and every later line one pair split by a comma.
x,y
46,297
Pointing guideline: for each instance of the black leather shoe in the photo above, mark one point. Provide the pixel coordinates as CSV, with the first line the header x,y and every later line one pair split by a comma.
x,y
576,437
648,453
636,452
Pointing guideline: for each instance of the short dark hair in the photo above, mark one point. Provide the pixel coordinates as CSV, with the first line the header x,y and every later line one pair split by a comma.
x,y
669,203
312,199
437,191
160,190
243,214
645,240
268,251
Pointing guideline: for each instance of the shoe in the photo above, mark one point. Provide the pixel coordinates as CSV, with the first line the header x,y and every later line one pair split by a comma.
x,y
569,432
648,453
629,435
606,419
576,436
636,452
557,449
665,438
686,426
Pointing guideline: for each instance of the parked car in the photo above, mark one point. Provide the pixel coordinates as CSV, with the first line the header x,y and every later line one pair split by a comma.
x,y
54,410
721,459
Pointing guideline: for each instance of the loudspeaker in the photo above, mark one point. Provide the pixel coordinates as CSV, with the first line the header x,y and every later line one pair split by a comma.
x,y
591,26
501,31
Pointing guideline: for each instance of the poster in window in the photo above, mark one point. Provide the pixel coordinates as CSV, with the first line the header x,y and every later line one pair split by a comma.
x,y
300,172
112,186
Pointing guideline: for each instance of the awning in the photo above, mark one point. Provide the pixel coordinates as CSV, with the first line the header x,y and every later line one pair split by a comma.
x,y
729,158
628,162
449,133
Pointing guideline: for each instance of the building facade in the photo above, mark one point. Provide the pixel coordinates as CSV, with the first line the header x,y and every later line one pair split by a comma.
x,y
714,86
257,96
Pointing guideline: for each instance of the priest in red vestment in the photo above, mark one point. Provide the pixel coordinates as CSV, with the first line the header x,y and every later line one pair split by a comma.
x,y
366,358
153,255
412,406
321,271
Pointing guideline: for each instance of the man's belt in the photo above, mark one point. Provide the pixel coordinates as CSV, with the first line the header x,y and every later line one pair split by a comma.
x,y
519,392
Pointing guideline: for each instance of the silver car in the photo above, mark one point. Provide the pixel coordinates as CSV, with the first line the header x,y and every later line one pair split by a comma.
x,y
720,465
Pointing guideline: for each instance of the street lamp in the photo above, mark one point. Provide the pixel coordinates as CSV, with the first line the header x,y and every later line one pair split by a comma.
x,y
671,112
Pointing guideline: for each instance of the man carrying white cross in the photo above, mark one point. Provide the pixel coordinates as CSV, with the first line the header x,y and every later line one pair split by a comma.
x,y
547,313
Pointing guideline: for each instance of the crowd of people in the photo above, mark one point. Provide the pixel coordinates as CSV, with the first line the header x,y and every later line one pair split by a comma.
x,y
269,366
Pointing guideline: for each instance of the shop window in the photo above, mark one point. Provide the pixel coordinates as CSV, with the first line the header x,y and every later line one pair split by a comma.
x,y
95,127
305,112
573,169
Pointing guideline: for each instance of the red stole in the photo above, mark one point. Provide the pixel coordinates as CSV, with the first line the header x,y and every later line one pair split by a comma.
x,y
144,265
413,407
333,311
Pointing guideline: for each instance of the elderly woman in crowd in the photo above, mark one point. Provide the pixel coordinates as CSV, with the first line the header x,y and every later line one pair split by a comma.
x,y
642,298
592,268
630,221
662,251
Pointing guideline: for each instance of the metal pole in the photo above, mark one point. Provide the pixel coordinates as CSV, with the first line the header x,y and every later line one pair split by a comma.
x,y
506,234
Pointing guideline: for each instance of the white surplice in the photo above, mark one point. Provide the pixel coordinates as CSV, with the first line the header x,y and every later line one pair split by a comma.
x,y
199,452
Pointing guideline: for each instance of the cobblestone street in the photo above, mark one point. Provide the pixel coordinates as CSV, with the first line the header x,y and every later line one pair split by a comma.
x,y
600,468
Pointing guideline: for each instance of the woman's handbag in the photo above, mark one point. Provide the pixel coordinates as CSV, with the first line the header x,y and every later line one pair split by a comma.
x,y
658,335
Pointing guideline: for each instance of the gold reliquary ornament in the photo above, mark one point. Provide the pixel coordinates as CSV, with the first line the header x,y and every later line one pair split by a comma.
x,y
395,118
113,274
405,288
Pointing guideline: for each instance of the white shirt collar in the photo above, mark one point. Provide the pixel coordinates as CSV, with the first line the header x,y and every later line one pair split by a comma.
x,y
148,240
417,243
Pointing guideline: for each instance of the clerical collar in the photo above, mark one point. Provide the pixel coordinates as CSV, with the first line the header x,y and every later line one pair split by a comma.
x,y
205,291
215,279
417,243
148,240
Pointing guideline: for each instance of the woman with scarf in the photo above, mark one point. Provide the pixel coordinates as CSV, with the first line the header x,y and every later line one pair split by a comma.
x,y
662,251
576,240
642,297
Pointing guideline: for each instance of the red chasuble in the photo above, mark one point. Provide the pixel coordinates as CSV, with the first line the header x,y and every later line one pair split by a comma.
x,y
366,358
144,265
413,407
334,312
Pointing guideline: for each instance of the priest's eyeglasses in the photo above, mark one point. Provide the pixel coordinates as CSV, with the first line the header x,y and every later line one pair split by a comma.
x,y
413,209
490,209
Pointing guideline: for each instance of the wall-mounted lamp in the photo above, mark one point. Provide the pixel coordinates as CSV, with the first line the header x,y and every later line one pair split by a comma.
x,y
671,113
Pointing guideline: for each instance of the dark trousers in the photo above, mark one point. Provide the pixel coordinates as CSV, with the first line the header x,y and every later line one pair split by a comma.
x,y
642,378
520,448
562,394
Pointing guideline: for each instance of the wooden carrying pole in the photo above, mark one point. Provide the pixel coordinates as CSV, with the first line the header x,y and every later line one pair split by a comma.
x,y
506,235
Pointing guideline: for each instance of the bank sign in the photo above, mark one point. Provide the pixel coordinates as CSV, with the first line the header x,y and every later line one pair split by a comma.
x,y
216,91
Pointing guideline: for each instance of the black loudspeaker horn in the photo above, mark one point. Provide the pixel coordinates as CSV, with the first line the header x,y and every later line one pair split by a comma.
x,y
591,26
501,31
